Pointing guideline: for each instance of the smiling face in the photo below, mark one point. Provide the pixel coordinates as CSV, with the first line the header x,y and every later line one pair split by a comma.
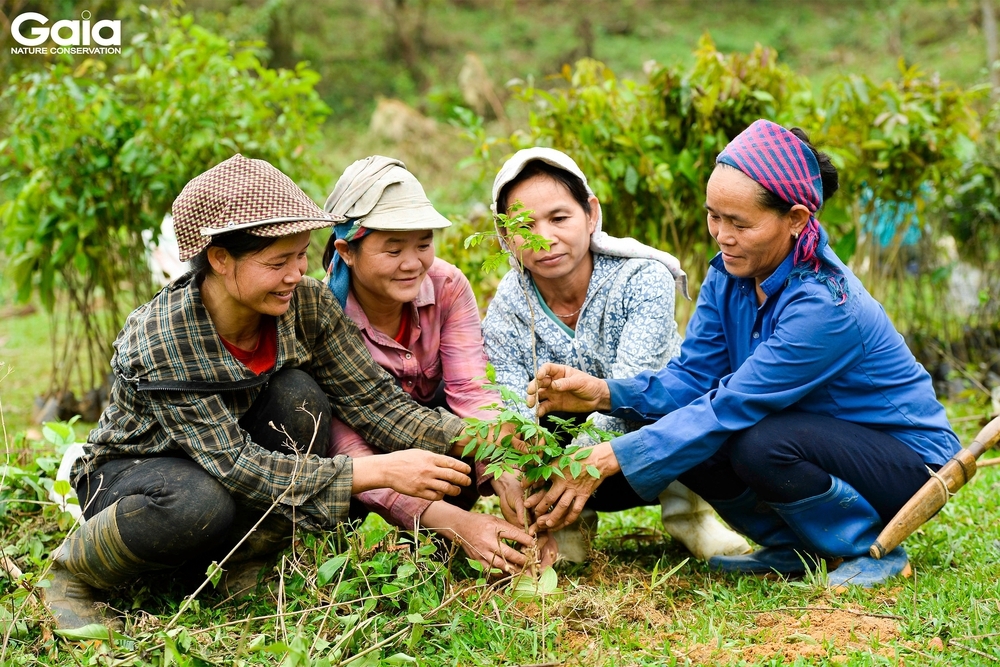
x,y
262,283
754,240
389,266
559,218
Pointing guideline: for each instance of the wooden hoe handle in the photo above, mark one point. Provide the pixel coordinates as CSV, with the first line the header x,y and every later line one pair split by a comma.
x,y
933,495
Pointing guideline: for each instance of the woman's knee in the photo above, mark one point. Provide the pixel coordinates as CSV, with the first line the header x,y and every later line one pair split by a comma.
x,y
181,510
768,443
205,511
297,407
298,387
784,457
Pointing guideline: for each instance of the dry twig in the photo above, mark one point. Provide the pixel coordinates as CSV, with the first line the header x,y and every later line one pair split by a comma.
x,y
277,501
992,658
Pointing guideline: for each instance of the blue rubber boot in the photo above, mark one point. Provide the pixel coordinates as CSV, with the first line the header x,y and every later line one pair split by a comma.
x,y
842,524
783,551
867,572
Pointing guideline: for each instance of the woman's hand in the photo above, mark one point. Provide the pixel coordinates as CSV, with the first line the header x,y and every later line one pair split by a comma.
x,y
482,536
511,495
563,502
548,550
412,472
558,388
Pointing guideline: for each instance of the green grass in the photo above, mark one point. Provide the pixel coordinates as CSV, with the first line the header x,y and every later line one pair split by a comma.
x,y
26,358
608,612
614,611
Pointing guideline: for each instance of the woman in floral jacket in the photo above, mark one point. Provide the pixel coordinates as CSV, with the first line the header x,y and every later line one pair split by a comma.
x,y
599,304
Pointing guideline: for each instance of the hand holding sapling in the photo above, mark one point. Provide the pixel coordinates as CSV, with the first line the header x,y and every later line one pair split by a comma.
x,y
513,442
562,503
508,489
495,543
559,388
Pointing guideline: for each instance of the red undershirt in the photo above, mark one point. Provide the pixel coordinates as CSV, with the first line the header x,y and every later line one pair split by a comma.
x,y
404,324
263,357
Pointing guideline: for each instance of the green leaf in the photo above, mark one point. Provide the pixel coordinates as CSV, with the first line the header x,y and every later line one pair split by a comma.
x,y
92,632
328,570
367,660
548,582
214,573
62,488
58,433
376,535
525,587
593,472
400,659
631,180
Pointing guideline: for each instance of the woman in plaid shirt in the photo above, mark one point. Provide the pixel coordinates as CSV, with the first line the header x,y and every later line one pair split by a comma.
x,y
225,384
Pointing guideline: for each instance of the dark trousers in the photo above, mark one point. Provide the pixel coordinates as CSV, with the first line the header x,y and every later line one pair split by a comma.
x,y
790,456
172,510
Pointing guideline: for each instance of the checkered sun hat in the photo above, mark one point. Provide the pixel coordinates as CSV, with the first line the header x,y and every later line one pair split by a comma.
x,y
242,194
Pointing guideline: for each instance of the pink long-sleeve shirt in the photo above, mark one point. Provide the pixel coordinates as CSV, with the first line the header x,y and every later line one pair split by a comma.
x,y
445,344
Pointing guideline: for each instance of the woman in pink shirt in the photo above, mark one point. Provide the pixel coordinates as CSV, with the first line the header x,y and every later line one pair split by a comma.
x,y
418,317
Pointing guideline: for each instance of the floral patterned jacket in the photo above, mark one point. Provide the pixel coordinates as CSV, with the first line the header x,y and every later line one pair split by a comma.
x,y
626,326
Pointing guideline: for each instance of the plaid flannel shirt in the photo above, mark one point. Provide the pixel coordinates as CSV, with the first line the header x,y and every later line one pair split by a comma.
x,y
177,388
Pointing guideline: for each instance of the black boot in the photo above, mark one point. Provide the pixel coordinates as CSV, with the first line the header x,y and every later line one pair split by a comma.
x,y
256,556
73,603
93,557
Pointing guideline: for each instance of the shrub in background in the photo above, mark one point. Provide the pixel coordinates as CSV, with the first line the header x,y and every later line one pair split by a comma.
x,y
898,143
95,154
649,147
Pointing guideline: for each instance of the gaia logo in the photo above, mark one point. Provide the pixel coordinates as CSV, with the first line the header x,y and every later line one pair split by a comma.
x,y
70,36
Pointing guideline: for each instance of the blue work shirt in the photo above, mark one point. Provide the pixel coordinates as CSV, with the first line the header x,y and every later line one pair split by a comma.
x,y
799,350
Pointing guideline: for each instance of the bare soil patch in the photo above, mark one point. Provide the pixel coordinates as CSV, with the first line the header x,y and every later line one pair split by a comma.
x,y
814,634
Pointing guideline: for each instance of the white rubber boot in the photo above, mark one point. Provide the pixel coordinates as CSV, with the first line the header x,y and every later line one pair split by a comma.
x,y
574,541
690,520
74,452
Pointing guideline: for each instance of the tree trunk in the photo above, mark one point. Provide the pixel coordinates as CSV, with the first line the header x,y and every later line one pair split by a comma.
x,y
992,47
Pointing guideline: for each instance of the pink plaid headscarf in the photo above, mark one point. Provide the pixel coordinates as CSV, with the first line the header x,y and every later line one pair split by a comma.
x,y
781,163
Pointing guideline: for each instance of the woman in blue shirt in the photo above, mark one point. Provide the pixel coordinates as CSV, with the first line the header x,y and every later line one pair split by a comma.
x,y
795,408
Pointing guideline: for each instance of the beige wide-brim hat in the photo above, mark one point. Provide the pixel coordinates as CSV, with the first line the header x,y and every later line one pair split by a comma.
x,y
242,194
379,193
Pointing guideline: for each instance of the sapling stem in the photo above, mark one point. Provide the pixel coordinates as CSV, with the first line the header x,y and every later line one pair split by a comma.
x,y
545,454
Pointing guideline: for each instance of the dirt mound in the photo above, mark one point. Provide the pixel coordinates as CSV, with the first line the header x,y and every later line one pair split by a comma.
x,y
814,634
